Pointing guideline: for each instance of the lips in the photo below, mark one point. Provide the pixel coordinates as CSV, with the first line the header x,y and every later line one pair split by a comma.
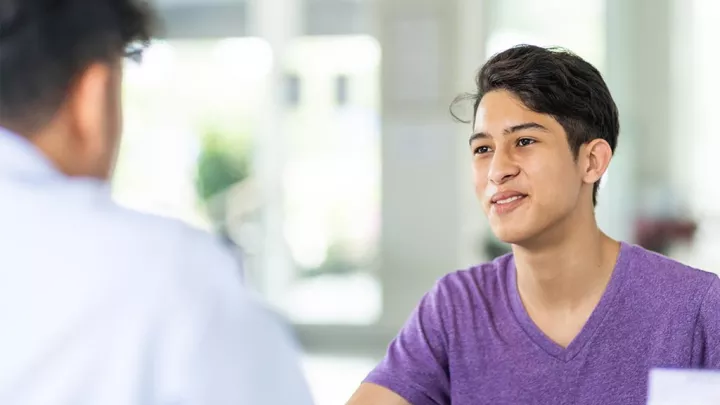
x,y
506,201
507,197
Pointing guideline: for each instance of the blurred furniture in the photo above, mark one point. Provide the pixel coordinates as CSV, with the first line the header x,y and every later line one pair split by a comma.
x,y
659,234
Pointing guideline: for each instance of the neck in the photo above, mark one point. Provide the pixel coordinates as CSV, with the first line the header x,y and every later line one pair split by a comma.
x,y
572,264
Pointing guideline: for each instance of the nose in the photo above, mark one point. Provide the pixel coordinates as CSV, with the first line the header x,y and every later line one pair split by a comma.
x,y
502,168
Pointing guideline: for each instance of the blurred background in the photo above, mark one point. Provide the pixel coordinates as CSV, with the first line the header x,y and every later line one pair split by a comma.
x,y
314,137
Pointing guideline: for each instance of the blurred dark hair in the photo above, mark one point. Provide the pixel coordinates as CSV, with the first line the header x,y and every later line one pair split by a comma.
x,y
556,82
46,44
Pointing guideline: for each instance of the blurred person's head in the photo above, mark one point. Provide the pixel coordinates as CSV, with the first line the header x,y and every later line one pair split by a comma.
x,y
544,130
61,76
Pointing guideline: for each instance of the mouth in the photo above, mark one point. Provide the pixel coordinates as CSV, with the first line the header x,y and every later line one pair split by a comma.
x,y
503,203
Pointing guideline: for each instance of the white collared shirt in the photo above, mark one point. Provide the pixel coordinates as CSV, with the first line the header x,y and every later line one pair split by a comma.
x,y
100,305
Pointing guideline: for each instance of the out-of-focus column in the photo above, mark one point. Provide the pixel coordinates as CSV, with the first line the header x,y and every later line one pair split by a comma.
x,y
698,84
277,22
640,76
431,224
695,139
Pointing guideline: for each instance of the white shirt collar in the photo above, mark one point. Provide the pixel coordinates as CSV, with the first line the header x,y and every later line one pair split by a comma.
x,y
20,156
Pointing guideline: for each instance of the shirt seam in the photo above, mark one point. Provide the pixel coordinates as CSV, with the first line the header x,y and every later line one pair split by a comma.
x,y
442,310
699,313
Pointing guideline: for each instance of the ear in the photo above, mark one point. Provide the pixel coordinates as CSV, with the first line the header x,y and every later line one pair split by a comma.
x,y
88,106
597,155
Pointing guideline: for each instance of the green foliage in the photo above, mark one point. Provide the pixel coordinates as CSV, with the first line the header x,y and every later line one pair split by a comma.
x,y
223,162
338,262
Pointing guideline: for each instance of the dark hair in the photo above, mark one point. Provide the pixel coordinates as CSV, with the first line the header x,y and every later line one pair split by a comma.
x,y
46,44
556,82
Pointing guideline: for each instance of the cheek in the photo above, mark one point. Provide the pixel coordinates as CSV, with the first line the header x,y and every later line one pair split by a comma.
x,y
553,182
480,175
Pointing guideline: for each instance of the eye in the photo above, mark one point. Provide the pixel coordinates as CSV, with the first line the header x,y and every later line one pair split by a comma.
x,y
481,150
525,142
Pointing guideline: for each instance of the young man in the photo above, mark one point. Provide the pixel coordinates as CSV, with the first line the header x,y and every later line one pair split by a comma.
x,y
100,305
571,316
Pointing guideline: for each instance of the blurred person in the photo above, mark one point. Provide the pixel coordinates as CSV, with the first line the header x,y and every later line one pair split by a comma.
x,y
99,304
571,316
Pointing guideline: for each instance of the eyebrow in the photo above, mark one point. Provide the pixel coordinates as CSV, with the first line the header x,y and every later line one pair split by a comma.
x,y
510,130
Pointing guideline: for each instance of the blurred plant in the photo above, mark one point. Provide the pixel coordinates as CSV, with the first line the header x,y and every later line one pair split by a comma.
x,y
338,262
223,162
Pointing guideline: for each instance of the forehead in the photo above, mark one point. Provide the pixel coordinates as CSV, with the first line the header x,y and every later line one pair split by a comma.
x,y
500,109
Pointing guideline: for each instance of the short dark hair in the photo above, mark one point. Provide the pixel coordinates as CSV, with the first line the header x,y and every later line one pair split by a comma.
x,y
46,44
556,82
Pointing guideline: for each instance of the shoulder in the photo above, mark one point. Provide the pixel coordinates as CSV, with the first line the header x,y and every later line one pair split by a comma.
x,y
191,283
707,327
480,286
661,274
162,256
164,235
711,303
188,273
190,260
655,284
485,277
709,315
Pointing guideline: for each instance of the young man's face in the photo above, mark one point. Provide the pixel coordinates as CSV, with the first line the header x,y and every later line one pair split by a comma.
x,y
526,176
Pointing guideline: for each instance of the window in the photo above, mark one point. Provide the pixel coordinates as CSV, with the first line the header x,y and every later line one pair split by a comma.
x,y
342,84
331,182
292,90
189,125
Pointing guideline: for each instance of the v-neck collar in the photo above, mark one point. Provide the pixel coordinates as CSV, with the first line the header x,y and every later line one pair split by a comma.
x,y
591,326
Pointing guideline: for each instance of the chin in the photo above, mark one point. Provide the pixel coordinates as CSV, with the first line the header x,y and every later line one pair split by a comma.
x,y
513,235
510,239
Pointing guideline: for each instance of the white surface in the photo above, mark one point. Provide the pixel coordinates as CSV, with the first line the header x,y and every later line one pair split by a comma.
x,y
676,387
351,299
333,379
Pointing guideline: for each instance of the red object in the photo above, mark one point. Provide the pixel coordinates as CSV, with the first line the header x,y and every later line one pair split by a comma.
x,y
658,234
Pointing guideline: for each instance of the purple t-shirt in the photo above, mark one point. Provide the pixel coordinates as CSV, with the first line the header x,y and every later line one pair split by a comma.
x,y
471,342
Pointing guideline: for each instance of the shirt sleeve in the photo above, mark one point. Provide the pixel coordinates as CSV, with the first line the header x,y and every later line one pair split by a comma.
x,y
416,364
223,346
707,330
245,358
